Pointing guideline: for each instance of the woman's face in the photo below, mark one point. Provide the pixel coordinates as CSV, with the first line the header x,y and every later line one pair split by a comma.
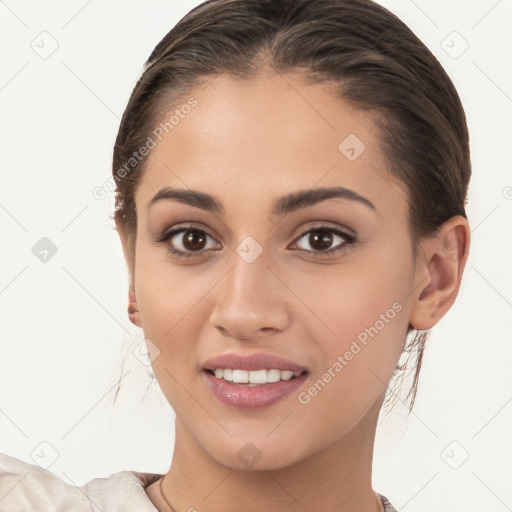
x,y
258,279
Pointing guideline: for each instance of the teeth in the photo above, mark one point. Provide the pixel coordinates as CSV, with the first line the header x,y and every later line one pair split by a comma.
x,y
241,376
254,377
273,375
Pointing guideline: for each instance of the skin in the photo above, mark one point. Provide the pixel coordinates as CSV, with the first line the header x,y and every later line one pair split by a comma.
x,y
247,144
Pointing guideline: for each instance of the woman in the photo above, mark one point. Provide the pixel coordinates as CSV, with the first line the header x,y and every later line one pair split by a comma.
x,y
291,180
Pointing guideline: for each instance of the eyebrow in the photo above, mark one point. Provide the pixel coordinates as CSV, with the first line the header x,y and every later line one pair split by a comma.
x,y
282,206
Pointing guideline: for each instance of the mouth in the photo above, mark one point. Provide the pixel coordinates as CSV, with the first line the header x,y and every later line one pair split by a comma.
x,y
253,378
252,395
252,381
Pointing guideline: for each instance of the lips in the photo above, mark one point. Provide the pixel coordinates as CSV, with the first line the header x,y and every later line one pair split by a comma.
x,y
252,396
259,361
242,396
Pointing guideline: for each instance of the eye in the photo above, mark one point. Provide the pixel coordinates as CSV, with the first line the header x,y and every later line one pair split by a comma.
x,y
189,241
186,241
323,237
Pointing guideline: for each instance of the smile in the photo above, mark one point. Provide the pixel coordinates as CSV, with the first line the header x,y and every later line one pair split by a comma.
x,y
251,395
254,377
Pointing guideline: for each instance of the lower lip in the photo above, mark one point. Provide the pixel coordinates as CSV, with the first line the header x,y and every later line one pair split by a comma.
x,y
252,397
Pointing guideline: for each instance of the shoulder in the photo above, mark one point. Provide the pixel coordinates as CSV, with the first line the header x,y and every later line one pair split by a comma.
x,y
28,487
386,504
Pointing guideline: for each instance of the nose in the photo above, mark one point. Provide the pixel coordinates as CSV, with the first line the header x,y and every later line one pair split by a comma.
x,y
251,301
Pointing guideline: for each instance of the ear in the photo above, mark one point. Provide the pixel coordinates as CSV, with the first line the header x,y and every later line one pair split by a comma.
x,y
128,248
439,266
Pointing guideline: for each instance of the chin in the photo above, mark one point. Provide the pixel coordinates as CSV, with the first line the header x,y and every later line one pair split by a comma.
x,y
256,453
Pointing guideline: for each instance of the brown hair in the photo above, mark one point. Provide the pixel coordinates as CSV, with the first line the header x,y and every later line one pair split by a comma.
x,y
370,56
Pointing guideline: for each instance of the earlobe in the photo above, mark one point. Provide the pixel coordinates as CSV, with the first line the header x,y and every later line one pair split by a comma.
x,y
439,267
133,308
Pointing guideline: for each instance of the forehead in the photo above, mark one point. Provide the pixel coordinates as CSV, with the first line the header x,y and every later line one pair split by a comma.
x,y
267,136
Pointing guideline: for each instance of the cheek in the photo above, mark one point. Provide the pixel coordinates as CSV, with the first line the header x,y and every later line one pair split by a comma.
x,y
364,311
169,300
370,289
171,312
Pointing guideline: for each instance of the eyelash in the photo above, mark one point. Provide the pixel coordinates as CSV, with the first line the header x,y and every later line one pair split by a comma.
x,y
349,240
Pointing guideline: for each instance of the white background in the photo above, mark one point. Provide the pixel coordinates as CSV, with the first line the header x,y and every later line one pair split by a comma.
x,y
63,324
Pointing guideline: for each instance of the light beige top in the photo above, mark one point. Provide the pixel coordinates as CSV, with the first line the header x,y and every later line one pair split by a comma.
x,y
27,487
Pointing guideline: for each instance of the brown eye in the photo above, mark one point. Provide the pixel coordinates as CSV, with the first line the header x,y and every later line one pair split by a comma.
x,y
193,240
187,241
321,240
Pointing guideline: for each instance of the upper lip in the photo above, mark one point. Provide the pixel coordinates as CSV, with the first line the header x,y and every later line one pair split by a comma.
x,y
251,362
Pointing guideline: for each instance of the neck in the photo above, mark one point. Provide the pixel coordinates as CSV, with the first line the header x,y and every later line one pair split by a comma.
x,y
337,478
